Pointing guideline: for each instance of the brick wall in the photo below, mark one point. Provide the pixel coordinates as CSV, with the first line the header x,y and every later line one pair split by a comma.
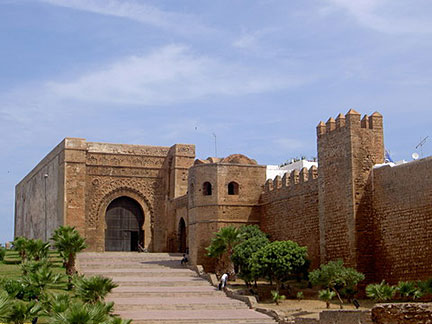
x,y
290,211
402,199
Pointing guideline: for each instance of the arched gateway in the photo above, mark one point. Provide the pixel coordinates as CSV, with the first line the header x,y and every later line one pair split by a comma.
x,y
124,225
182,245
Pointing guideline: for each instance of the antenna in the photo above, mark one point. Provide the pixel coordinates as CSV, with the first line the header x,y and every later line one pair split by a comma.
x,y
215,144
420,145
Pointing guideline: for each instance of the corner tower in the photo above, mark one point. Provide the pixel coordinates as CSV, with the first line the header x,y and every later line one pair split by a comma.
x,y
347,150
222,192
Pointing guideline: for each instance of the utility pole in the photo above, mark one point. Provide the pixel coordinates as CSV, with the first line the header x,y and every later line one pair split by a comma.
x,y
215,144
45,207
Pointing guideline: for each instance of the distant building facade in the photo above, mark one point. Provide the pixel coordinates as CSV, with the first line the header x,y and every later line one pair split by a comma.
x,y
120,197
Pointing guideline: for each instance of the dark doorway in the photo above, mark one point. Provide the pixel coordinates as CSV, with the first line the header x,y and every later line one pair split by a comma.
x,y
182,236
124,219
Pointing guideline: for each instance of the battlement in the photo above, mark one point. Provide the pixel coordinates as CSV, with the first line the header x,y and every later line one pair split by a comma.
x,y
291,180
351,120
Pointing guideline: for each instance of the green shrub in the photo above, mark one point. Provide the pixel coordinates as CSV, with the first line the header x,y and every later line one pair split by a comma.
x,y
380,292
276,297
425,286
335,276
278,261
93,289
300,295
242,255
21,289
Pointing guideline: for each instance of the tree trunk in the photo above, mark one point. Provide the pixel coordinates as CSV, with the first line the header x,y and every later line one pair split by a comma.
x,y
339,297
70,265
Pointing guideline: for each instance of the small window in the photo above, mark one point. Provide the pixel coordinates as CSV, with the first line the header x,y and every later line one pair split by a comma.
x,y
233,188
207,189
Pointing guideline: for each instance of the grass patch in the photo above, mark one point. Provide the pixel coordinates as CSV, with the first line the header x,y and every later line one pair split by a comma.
x,y
10,268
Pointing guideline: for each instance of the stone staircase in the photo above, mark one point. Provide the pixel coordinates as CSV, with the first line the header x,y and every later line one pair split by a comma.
x,y
156,288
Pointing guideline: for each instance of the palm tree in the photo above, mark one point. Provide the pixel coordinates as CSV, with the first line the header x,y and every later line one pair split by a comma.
x,y
42,278
118,320
68,242
80,313
20,245
56,303
326,295
22,312
222,245
4,308
37,249
93,289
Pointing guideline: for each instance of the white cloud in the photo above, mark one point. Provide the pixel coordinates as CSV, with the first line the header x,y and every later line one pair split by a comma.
x,y
137,11
395,16
169,75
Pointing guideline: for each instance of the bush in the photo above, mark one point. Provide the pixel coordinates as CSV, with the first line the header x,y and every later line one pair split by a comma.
x,y
300,295
93,289
278,261
20,289
425,286
276,297
380,292
242,255
335,276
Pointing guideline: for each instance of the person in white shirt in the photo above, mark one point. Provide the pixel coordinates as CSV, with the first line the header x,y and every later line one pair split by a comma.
x,y
223,281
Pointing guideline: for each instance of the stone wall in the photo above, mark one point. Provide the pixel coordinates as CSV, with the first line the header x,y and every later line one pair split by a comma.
x,y
402,200
402,314
345,317
289,208
39,207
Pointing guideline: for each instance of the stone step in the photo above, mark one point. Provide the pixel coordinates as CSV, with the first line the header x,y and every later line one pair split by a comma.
x,y
157,289
173,303
194,291
139,294
144,284
197,315
206,321
167,265
140,273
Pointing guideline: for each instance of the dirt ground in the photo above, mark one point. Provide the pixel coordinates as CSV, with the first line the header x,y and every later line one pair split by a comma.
x,y
308,307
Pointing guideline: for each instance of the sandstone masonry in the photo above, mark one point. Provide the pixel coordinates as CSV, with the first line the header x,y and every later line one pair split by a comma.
x,y
378,220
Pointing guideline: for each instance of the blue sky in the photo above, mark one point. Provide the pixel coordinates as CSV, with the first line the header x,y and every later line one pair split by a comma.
x,y
259,74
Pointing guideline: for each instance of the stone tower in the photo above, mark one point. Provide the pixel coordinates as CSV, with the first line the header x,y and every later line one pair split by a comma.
x,y
222,192
347,150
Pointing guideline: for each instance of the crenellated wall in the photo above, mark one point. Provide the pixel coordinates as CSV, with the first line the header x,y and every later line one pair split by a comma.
x,y
348,148
402,201
289,209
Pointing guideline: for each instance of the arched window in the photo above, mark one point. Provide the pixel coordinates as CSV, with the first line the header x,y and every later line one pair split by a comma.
x,y
233,188
207,189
